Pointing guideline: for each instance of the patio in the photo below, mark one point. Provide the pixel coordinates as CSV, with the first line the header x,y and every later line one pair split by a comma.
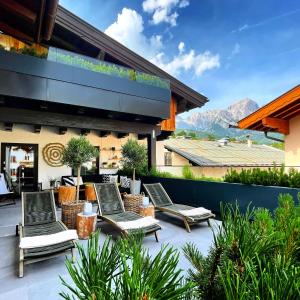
x,y
43,278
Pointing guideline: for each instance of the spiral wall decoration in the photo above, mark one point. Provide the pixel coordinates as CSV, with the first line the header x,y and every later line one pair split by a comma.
x,y
52,154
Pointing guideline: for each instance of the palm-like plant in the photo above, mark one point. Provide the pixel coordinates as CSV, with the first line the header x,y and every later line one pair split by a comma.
x,y
125,270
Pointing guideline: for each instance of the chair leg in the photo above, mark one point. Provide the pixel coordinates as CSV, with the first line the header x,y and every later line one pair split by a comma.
x,y
21,264
187,226
156,236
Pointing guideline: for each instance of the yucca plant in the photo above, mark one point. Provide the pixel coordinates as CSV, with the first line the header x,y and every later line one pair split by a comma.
x,y
124,270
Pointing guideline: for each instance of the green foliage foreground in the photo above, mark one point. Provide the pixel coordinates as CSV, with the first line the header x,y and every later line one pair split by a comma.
x,y
256,259
124,270
251,260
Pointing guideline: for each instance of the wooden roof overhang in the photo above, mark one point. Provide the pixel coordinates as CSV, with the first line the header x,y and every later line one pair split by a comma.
x,y
28,20
186,97
275,116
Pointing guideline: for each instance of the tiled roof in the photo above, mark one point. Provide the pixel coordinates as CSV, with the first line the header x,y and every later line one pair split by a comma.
x,y
211,153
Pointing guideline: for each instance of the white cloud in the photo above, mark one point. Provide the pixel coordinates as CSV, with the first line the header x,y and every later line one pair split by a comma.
x,y
128,30
266,21
197,63
236,50
164,10
181,47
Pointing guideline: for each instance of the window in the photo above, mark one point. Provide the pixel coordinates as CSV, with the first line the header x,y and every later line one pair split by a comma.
x,y
168,158
89,168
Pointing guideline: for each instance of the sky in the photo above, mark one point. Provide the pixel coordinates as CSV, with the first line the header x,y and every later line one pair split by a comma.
x,y
227,50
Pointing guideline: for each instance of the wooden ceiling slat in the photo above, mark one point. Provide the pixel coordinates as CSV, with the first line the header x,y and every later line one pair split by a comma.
x,y
288,113
40,20
21,11
14,32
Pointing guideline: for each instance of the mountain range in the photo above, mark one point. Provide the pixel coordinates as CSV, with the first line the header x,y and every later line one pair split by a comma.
x,y
216,122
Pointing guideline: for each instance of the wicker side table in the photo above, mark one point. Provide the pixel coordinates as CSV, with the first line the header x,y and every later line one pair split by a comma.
x,y
86,225
147,211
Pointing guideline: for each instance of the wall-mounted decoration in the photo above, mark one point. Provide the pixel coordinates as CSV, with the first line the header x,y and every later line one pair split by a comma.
x,y
52,154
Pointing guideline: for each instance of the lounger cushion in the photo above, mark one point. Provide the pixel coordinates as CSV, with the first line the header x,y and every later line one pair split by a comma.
x,y
37,241
139,223
197,211
130,216
178,208
44,229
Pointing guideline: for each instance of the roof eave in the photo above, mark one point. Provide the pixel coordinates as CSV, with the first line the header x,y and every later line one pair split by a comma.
x,y
102,41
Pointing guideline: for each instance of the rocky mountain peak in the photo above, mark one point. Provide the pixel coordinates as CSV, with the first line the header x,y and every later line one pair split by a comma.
x,y
215,118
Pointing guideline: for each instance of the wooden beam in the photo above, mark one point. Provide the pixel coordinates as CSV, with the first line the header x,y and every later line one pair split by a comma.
x,y
280,125
104,133
151,150
142,136
37,128
121,135
62,130
101,55
45,118
170,124
40,21
14,32
18,9
8,126
85,132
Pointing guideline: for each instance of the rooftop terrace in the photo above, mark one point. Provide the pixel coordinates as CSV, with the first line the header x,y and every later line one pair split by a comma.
x,y
42,279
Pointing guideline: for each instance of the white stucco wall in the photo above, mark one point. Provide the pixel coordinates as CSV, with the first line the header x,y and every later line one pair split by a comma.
x,y
292,144
25,134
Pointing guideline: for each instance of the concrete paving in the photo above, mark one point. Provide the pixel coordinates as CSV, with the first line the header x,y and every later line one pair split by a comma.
x,y
41,280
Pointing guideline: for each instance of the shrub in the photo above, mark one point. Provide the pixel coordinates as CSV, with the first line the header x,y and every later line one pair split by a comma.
x,y
124,270
251,260
270,177
187,173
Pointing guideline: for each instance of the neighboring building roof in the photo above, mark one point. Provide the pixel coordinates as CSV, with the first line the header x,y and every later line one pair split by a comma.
x,y
207,153
275,115
188,97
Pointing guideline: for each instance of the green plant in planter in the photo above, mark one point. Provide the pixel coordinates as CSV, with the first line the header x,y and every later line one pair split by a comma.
x,y
134,157
256,259
124,270
77,152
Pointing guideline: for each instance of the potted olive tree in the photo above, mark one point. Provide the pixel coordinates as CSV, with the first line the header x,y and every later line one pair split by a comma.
x,y
134,161
77,152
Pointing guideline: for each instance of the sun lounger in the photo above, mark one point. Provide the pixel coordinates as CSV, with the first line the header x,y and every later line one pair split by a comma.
x,y
42,236
189,214
112,211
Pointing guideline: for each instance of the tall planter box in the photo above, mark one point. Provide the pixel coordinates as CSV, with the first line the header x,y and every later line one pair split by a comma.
x,y
210,194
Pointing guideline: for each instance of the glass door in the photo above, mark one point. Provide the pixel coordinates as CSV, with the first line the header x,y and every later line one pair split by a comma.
x,y
20,164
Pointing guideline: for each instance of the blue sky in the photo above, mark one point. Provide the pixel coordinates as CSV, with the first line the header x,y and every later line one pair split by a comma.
x,y
225,49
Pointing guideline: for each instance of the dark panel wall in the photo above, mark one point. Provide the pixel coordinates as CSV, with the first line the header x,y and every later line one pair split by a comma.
x,y
209,194
30,77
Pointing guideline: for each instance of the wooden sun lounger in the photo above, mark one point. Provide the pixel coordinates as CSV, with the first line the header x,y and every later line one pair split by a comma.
x,y
39,218
111,210
162,202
